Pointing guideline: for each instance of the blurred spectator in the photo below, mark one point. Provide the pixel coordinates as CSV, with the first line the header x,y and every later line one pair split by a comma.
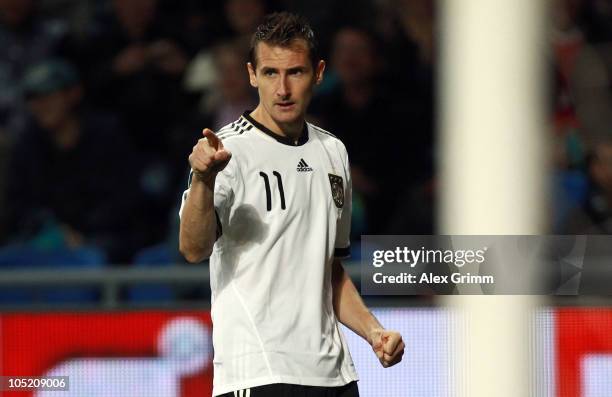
x,y
76,15
409,28
25,40
242,18
418,23
135,66
596,20
70,181
595,215
361,109
567,36
567,40
196,24
582,49
591,91
232,93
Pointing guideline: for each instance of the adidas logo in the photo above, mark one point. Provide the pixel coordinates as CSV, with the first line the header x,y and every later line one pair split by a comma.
x,y
303,167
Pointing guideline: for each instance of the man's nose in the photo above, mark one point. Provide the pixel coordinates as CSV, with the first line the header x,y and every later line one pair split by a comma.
x,y
283,90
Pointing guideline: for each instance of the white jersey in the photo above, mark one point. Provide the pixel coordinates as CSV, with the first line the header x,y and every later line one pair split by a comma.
x,y
284,213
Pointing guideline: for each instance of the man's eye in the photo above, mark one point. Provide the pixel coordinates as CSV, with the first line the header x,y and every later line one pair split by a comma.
x,y
269,72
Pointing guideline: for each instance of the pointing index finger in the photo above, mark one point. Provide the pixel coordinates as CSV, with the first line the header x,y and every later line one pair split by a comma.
x,y
212,138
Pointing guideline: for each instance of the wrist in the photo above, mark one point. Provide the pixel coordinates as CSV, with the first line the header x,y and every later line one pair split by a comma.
x,y
206,178
374,333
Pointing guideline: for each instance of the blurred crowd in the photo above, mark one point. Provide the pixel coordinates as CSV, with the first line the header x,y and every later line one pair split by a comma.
x,y
101,102
581,57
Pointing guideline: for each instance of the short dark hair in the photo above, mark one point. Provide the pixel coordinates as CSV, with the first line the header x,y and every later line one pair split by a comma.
x,y
282,29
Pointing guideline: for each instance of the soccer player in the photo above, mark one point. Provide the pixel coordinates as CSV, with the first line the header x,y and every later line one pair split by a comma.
x,y
269,201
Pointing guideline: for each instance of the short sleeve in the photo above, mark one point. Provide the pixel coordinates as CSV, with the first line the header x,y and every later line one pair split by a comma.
x,y
224,190
343,230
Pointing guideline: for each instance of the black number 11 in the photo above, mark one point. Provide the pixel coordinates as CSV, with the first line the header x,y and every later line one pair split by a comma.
x,y
268,192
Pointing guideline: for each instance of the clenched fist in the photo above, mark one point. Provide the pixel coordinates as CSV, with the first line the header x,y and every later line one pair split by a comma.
x,y
208,156
388,346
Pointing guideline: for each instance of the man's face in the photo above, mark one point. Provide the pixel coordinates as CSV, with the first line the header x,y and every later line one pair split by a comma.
x,y
232,82
285,79
353,57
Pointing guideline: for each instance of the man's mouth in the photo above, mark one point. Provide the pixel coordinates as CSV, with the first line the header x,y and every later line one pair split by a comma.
x,y
285,105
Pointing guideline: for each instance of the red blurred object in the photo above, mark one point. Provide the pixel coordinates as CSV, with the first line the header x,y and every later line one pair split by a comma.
x,y
579,332
31,344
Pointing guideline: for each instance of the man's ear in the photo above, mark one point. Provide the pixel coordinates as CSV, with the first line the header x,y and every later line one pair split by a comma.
x,y
252,77
319,72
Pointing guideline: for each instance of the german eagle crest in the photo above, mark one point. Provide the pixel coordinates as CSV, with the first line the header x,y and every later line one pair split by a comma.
x,y
337,189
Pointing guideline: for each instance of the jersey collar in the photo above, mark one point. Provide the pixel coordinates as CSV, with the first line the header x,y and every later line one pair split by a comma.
x,y
282,139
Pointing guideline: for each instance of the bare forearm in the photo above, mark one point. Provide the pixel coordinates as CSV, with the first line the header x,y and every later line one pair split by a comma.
x,y
198,226
352,312
348,305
